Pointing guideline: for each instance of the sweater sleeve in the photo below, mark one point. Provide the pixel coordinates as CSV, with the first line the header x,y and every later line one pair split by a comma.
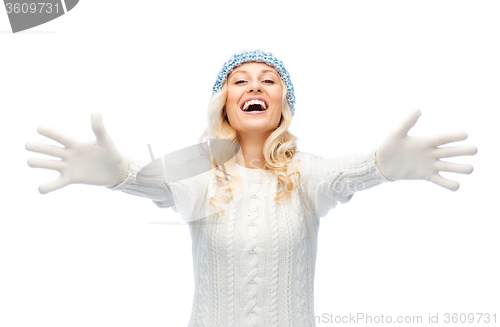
x,y
325,182
184,197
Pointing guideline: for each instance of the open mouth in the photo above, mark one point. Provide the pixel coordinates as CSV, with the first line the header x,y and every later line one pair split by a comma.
x,y
254,106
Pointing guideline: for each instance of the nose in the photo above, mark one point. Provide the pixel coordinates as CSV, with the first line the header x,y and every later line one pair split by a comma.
x,y
254,86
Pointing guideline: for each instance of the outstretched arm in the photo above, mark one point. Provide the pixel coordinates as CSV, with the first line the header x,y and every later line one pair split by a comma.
x,y
100,163
403,157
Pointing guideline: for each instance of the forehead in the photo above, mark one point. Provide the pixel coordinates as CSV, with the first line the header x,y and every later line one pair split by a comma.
x,y
254,67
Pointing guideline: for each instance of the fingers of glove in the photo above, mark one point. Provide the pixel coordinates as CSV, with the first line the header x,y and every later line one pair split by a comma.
x,y
52,186
408,123
56,135
50,150
98,127
445,138
454,168
45,164
456,151
446,183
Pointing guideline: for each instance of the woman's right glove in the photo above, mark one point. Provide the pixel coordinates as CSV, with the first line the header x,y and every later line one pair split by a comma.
x,y
93,162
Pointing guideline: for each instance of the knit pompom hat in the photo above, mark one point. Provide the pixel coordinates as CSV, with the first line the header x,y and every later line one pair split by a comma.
x,y
257,56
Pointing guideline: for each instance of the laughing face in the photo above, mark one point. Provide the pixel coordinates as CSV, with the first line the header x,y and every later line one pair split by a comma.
x,y
253,104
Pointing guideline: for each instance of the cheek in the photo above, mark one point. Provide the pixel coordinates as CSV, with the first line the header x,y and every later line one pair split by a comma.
x,y
276,98
278,106
231,100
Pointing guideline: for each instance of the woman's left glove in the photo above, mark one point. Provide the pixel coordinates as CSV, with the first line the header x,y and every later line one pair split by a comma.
x,y
409,157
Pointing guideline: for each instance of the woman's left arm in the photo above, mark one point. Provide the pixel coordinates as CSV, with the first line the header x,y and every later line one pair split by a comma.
x,y
403,157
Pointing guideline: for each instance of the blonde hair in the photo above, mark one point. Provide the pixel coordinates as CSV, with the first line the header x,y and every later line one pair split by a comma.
x,y
278,150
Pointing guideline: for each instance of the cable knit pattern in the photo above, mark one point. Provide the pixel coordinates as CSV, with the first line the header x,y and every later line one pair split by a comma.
x,y
303,258
288,271
230,265
251,284
255,265
275,256
204,298
217,278
310,279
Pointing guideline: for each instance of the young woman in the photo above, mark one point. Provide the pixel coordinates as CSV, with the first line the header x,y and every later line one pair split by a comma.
x,y
254,227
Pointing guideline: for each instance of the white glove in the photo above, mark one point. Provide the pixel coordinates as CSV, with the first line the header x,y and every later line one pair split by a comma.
x,y
409,157
93,162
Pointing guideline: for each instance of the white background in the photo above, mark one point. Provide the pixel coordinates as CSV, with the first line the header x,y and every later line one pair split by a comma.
x,y
88,256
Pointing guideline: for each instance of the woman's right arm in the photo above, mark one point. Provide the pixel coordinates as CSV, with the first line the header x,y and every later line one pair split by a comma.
x,y
100,163
94,163
156,188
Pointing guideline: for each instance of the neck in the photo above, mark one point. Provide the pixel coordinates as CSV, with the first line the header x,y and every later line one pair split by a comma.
x,y
251,154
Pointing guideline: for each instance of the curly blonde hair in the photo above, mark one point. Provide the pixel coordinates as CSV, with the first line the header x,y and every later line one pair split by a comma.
x,y
278,150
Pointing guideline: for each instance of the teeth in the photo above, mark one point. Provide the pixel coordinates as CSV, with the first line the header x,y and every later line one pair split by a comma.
x,y
249,103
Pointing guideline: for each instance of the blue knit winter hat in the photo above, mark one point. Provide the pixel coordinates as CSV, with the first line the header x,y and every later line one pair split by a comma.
x,y
257,56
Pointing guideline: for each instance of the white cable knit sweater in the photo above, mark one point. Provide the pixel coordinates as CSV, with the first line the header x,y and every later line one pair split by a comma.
x,y
255,265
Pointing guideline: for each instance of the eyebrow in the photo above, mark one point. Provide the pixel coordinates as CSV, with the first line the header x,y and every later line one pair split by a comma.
x,y
262,71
